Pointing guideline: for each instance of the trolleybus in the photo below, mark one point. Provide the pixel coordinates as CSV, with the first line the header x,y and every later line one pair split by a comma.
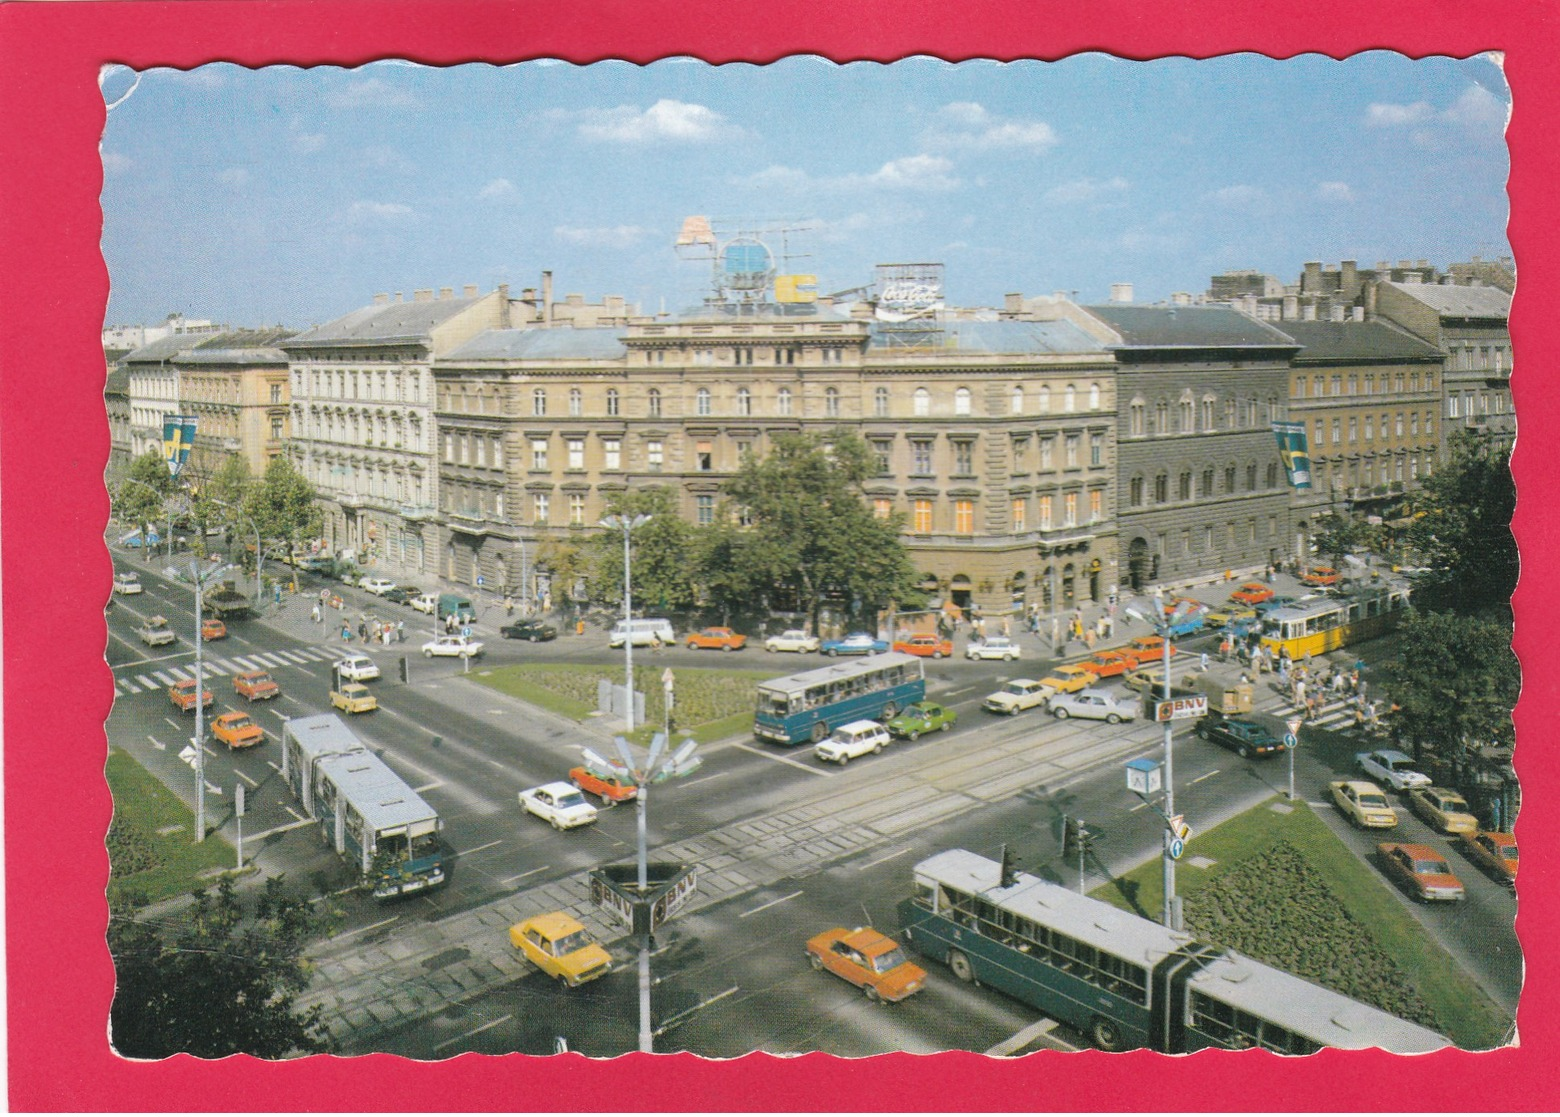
x,y
811,705
1319,626
366,812
1124,980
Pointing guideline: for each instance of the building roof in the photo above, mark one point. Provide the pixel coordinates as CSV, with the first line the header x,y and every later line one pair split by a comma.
x,y
557,344
251,347
1187,327
1362,341
1015,336
402,321
1452,301
163,349
118,382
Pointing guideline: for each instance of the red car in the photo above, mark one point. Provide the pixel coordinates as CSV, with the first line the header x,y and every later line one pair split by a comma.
x,y
609,789
255,685
212,629
1494,852
1320,576
872,962
1146,648
182,695
722,638
1108,665
1251,593
1422,869
924,644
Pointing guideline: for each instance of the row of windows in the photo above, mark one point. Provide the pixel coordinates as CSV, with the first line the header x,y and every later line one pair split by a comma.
x,y
750,355
1468,358
1189,415
390,431
1370,472
1402,424
1396,382
486,451
1488,403
369,480
367,384
1205,484
924,519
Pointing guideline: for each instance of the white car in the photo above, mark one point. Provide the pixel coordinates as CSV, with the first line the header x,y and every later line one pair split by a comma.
x,y
127,582
1018,694
357,668
992,647
463,646
425,603
376,586
850,741
561,804
792,640
1393,768
1090,703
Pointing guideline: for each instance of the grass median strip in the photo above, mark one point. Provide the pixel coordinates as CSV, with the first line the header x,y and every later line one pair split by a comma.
x,y
151,848
1283,889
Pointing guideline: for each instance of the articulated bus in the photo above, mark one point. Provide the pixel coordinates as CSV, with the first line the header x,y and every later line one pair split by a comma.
x,y
1126,981
1320,626
367,813
811,705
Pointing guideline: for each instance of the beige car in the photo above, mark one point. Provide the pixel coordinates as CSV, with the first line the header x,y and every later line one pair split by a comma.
x,y
354,698
1363,804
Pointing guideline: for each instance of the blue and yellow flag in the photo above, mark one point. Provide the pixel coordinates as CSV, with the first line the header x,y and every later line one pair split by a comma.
x,y
1292,449
178,438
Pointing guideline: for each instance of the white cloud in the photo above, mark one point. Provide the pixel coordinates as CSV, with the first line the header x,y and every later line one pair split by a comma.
x,y
234,176
1237,195
498,188
966,124
666,121
1477,110
926,173
1085,190
1383,115
115,163
309,142
371,93
613,236
363,210
1334,192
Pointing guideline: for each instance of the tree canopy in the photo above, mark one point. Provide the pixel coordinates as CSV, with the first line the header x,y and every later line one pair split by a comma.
x,y
215,981
1456,683
283,505
1462,530
661,566
142,497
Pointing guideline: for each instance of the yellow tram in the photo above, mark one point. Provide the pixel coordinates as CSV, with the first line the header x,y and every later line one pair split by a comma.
x,y
1333,622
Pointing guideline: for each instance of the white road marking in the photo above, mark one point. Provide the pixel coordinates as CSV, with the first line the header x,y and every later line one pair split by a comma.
x,y
678,1018
772,903
147,683
156,744
295,814
479,849
1022,1038
881,860
360,930
164,678
780,759
246,778
705,779
246,663
281,829
522,876
1210,775
474,1031
1139,807
428,786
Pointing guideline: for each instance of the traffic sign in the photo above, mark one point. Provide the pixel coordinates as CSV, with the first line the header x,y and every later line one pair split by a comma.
x,y
188,754
1177,847
1291,741
1190,706
1294,725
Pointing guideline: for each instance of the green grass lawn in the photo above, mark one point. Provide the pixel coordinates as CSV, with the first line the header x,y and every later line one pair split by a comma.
x,y
152,851
1324,901
710,704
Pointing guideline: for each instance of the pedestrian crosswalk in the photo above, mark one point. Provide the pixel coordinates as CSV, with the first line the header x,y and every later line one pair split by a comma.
x,y
134,682
1336,714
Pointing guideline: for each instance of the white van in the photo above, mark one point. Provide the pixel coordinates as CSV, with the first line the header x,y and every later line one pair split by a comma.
x,y
643,631
849,741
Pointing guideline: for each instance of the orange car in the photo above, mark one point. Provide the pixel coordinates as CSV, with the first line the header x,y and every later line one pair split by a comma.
x,y
255,685
1320,576
609,789
1423,870
872,962
924,644
237,731
722,638
1251,593
1107,665
182,695
1495,853
1145,648
212,629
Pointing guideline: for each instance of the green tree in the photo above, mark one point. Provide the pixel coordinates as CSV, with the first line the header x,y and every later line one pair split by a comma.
x,y
283,505
567,564
1338,534
1456,683
1464,533
722,566
811,527
662,571
142,497
219,982
226,494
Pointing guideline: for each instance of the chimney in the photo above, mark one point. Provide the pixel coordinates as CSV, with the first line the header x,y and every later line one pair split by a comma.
x,y
1121,292
1350,279
613,305
381,299
1059,296
503,292
546,299
446,292
1308,312
423,295
1291,307
1312,283
1382,267
1405,263
469,291
1422,264
1359,314
1013,302
398,296
1478,259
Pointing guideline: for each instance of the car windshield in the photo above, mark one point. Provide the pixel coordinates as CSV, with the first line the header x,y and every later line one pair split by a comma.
x,y
1372,800
241,723
576,940
573,799
1454,804
1508,853
1432,868
259,680
888,960
1397,763
1015,688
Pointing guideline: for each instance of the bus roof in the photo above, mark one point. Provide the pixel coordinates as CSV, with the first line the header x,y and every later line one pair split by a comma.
x,y
367,783
846,670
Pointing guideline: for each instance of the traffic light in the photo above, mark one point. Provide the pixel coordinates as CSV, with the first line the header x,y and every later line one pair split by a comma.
x,y
1071,829
1010,864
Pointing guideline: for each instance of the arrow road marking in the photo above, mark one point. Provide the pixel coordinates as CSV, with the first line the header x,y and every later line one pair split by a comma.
x,y
156,744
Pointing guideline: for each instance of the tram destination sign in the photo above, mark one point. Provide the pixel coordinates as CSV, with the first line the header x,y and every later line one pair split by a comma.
x,y
1191,706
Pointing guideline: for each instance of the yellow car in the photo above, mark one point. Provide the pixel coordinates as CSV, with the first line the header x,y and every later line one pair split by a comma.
x,y
1444,810
561,947
1069,679
354,698
1363,804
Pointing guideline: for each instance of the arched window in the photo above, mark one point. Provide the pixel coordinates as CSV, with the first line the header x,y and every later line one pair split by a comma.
x,y
1207,413
1207,482
653,399
1135,417
783,401
1016,400
1184,486
1094,397
1070,399
576,402
1161,417
1043,399
701,400
1229,478
922,402
831,403
1135,492
744,402
1272,475
1251,477
1184,414
880,402
1161,488
961,401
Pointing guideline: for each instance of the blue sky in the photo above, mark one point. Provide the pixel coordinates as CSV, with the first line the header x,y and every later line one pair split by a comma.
x,y
291,196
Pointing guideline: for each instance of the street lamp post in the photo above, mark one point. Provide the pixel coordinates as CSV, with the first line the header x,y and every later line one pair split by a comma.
x,y
198,576
628,524
258,556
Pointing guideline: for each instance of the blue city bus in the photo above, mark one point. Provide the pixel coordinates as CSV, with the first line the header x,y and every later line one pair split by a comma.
x,y
1125,981
811,705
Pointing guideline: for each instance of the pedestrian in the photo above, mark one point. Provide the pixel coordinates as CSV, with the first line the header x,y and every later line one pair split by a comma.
x,y
362,630
509,606
1299,692
1283,670
314,613
400,631
1007,629
346,633
1088,639
1224,650
1202,662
